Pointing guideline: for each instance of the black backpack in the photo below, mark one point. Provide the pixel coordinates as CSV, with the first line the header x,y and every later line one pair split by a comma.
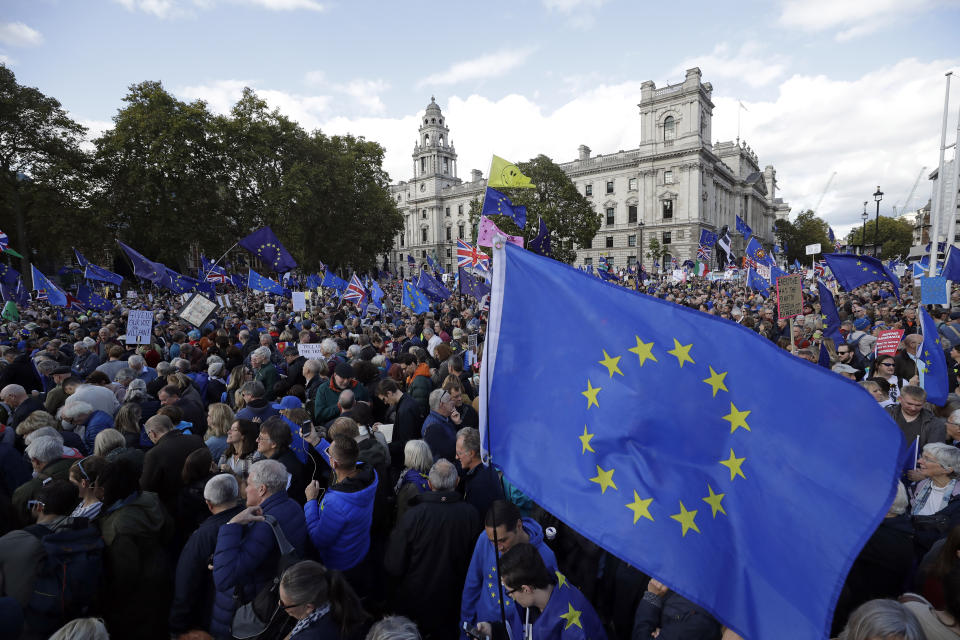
x,y
69,577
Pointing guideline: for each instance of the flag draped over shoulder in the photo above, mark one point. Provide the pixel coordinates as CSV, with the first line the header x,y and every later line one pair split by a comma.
x,y
264,244
933,361
47,289
669,450
260,283
853,271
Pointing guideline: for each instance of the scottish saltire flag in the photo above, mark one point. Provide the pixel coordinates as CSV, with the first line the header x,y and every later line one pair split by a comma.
x,y
829,315
756,251
932,364
330,279
951,266
756,282
541,242
469,256
155,272
355,292
83,262
260,283
434,265
93,272
743,228
728,484
432,288
264,244
471,286
8,275
47,290
90,300
497,204
853,271
413,299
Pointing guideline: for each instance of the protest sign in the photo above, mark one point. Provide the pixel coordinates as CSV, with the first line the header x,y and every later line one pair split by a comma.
x,y
299,301
813,249
888,341
139,324
789,296
131,294
197,310
310,350
269,307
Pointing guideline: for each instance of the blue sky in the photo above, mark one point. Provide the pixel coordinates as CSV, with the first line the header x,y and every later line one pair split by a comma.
x,y
854,87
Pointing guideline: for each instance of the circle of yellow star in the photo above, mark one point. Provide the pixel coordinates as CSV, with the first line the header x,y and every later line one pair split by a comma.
x,y
604,479
644,350
687,519
734,463
714,500
640,508
716,381
585,440
611,363
591,394
681,352
572,616
737,418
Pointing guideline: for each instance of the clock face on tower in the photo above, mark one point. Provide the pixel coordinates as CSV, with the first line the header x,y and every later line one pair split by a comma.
x,y
423,186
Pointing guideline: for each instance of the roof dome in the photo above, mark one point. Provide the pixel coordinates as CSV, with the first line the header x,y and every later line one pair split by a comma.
x,y
433,107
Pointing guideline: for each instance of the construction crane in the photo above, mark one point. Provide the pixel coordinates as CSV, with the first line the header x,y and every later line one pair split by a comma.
x,y
820,199
913,189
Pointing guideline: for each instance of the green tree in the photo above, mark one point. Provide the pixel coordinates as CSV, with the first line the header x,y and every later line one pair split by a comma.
x,y
805,230
567,213
895,239
655,251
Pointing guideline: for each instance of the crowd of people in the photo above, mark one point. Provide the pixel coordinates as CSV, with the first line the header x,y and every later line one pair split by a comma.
x,y
216,483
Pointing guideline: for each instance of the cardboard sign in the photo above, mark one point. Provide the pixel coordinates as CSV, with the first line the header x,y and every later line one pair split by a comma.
x,y
813,249
139,324
299,301
310,350
472,342
888,341
197,310
789,296
131,295
269,307
933,291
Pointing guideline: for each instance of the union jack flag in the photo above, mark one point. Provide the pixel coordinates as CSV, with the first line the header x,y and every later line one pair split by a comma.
x,y
820,269
355,292
703,253
74,303
218,274
470,256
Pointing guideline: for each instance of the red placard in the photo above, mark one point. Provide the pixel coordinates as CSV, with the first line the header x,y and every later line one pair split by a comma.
x,y
888,341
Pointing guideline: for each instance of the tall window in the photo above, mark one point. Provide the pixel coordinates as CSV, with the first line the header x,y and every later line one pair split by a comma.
x,y
609,186
460,230
448,255
668,177
423,164
423,234
587,262
632,184
423,214
667,209
588,190
631,241
611,218
449,233
589,244
459,209
402,238
666,237
609,242
632,213
669,128
447,212
631,261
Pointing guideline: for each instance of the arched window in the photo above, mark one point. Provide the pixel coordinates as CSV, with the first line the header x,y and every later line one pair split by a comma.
x,y
669,128
426,139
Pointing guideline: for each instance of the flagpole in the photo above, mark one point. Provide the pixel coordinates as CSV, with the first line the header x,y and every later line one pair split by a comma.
x,y
218,261
935,213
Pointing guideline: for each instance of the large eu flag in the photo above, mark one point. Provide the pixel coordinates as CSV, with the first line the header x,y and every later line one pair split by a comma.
x,y
331,280
90,300
933,375
497,204
853,271
471,285
432,288
93,272
147,269
413,299
264,244
53,294
685,444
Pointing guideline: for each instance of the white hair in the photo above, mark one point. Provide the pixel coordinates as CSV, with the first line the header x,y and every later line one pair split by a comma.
x,y
136,362
328,346
443,475
76,409
43,432
79,345
82,629
45,449
270,474
221,489
261,353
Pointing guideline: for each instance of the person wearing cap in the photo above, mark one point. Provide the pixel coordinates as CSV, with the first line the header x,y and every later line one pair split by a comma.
x,y
326,402
845,370
950,331
58,395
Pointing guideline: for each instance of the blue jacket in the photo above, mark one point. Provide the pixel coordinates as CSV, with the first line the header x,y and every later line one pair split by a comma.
x,y
97,422
246,557
340,526
481,595
441,434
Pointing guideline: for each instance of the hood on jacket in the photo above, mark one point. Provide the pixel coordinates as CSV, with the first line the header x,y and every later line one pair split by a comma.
x,y
142,515
423,369
357,487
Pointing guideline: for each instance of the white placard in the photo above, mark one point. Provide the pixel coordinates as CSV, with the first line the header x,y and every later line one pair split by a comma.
x,y
150,297
131,295
223,300
299,301
197,310
310,350
139,324
813,249
900,270
269,307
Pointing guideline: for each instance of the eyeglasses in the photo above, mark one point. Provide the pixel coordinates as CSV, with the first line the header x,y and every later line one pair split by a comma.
x,y
885,364
510,591
80,467
287,606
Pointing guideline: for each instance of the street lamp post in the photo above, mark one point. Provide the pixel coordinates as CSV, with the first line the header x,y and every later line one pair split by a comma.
x,y
878,196
640,226
863,231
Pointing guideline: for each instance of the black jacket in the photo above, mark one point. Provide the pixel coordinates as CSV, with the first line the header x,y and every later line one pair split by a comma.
x,y
300,476
676,617
480,487
21,372
163,466
407,420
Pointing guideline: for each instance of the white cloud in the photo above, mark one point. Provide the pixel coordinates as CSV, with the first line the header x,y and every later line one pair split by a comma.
x,y
178,8
7,60
750,64
95,129
851,18
568,6
365,93
222,95
17,34
490,65
314,77
288,5
159,8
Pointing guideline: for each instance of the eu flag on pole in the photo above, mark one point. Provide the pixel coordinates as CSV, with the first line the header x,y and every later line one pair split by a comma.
x,y
497,204
413,299
8,275
756,282
712,488
433,289
951,266
330,279
831,319
83,262
93,272
541,242
146,269
756,251
743,228
472,286
933,377
90,300
434,265
53,295
853,271
260,283
376,293
264,244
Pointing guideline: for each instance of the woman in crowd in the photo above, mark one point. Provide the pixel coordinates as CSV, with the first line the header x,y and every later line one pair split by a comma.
x,y
417,461
84,475
936,498
241,450
322,602
219,419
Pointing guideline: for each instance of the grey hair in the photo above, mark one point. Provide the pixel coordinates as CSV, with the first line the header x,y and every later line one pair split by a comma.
x,y
79,345
379,361
900,501
883,619
328,347
353,351
948,456
43,432
443,475
181,364
394,628
955,417
46,366
417,456
270,474
164,368
82,629
106,441
261,353
136,362
471,439
76,409
221,489
347,400
254,388
215,369
435,397
125,374
45,449
315,366
428,332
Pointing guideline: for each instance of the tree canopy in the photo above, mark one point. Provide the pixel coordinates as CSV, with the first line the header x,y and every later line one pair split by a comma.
x,y
895,238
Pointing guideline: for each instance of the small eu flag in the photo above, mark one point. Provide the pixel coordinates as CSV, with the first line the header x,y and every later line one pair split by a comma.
x,y
933,362
743,228
155,272
497,204
413,298
756,282
264,244
41,283
90,300
260,283
93,272
472,286
330,279
831,319
670,446
853,271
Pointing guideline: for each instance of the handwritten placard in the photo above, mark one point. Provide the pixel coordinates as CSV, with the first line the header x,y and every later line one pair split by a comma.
x,y
310,350
197,310
139,324
789,296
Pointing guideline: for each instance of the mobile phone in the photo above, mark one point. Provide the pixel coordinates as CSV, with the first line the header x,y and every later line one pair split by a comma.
x,y
471,631
305,428
33,504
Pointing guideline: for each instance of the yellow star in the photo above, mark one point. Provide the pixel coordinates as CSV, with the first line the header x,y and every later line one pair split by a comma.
x,y
681,352
572,616
687,519
716,381
737,418
640,508
611,363
734,463
561,579
604,479
714,500
644,350
591,394
585,440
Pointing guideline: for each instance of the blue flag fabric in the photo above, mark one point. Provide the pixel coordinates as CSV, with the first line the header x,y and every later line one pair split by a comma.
x,y
330,279
434,265
264,244
756,251
155,272
707,238
853,271
83,262
239,280
50,291
743,228
824,359
431,288
8,275
828,312
314,280
260,283
90,300
413,299
728,484
376,293
934,377
472,286
756,282
410,260
93,272
776,272
497,204
951,266
796,265
541,242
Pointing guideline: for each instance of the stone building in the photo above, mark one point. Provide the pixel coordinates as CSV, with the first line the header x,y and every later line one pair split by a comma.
x,y
674,184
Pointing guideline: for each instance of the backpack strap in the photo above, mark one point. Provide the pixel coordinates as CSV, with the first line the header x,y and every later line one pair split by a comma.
x,y
282,542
